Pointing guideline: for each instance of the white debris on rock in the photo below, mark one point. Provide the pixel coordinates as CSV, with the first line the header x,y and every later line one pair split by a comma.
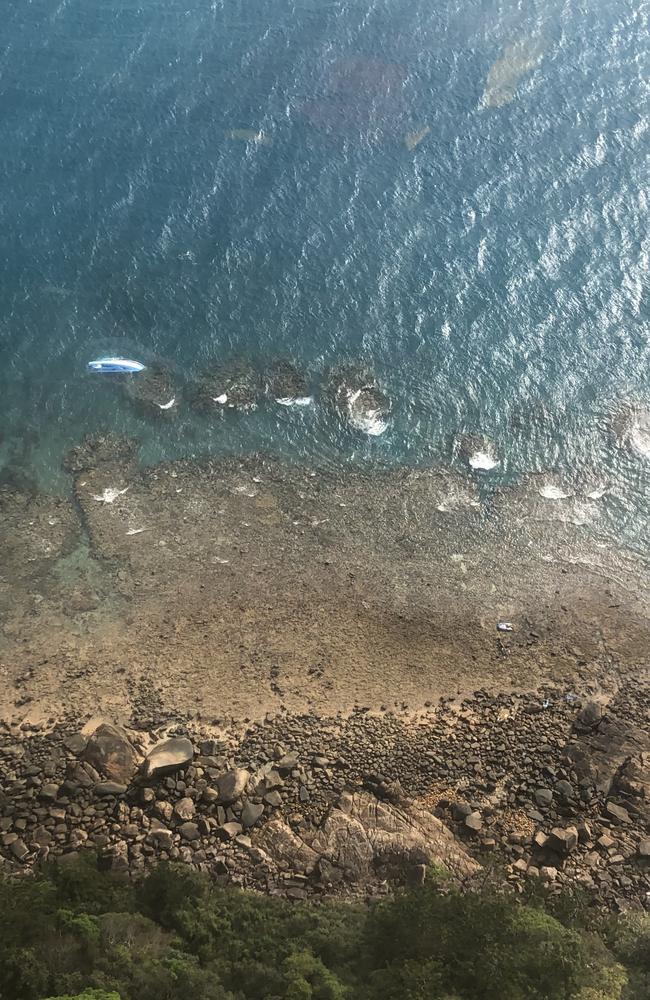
x,y
109,495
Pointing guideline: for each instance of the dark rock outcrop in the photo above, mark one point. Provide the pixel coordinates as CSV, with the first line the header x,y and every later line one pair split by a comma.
x,y
111,753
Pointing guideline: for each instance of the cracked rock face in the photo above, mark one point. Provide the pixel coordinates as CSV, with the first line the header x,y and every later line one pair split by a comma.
x,y
362,834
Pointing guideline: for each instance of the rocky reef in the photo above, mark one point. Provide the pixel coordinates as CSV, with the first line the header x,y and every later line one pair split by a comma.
x,y
234,385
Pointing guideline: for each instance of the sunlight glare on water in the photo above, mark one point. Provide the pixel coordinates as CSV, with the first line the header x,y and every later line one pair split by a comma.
x,y
451,199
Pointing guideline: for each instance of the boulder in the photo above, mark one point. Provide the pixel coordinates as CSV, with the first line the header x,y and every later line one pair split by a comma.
x,y
42,837
168,756
228,831
19,849
279,841
161,836
543,797
287,763
76,743
165,810
474,822
110,788
232,785
564,789
189,831
644,848
618,814
184,809
251,813
591,715
110,752
563,840
48,792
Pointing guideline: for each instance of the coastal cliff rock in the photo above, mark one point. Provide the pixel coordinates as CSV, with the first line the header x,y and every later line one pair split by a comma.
x,y
362,833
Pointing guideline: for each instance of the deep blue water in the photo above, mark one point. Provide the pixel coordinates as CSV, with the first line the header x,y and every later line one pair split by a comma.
x,y
497,271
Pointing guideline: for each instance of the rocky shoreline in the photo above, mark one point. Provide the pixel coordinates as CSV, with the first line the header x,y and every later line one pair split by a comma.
x,y
547,786
322,646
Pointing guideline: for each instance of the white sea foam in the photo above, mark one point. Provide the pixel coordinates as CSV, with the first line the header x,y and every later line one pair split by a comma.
x,y
295,400
552,492
483,461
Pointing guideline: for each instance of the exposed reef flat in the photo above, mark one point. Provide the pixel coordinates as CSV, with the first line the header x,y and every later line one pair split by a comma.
x,y
231,588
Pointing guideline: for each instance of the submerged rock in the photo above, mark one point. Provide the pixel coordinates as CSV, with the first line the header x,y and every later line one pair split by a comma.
x,y
287,385
358,399
360,96
255,136
232,386
631,428
550,486
448,492
153,391
506,73
413,139
545,497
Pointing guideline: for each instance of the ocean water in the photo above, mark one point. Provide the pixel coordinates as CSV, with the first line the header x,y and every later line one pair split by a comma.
x,y
455,194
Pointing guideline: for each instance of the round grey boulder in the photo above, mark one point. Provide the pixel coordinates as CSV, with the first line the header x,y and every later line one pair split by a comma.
x,y
231,785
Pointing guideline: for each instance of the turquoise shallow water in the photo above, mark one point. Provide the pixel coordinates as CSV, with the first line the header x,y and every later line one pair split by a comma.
x,y
495,275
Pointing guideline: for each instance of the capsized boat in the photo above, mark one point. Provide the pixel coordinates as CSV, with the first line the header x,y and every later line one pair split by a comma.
x,y
115,365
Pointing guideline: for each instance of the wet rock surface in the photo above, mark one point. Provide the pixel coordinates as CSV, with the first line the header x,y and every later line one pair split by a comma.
x,y
286,384
358,399
98,449
154,392
234,385
630,426
385,796
234,587
478,451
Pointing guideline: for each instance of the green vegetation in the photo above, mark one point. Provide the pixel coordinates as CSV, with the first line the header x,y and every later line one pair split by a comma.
x,y
76,933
